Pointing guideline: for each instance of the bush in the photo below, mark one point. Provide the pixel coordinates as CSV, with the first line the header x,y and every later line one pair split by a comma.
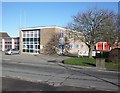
x,y
114,55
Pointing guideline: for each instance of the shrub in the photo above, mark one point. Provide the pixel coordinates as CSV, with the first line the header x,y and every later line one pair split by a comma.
x,y
114,55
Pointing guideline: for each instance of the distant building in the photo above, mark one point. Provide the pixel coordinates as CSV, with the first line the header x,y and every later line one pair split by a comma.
x,y
7,42
33,40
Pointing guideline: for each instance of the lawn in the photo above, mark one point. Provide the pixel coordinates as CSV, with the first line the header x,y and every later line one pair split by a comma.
x,y
84,61
112,65
91,62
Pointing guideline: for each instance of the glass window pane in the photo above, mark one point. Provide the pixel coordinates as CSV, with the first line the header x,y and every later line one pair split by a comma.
x,y
38,46
23,50
31,46
23,39
31,43
24,35
31,50
27,50
27,39
35,39
70,45
28,46
31,39
77,46
35,35
27,35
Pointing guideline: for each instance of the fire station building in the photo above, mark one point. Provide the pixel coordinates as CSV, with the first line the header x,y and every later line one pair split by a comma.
x,y
34,39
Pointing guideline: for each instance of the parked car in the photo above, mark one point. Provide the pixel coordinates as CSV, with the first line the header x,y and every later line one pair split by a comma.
x,y
12,51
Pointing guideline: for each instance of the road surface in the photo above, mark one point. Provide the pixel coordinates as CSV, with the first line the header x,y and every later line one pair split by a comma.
x,y
40,69
22,85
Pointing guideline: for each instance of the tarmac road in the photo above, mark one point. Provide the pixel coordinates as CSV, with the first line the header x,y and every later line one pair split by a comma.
x,y
38,69
12,84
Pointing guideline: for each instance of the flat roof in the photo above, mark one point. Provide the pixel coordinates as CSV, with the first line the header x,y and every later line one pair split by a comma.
x,y
42,27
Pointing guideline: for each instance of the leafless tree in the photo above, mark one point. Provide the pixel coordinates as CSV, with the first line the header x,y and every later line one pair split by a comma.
x,y
53,44
96,25
66,45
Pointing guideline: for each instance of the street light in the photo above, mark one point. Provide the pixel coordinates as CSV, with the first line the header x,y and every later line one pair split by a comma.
x,y
62,41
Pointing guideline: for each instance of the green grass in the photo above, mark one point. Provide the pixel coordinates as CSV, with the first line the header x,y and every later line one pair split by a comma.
x,y
84,61
91,62
112,65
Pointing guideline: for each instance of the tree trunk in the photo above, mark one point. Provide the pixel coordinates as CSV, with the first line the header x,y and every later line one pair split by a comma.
x,y
90,51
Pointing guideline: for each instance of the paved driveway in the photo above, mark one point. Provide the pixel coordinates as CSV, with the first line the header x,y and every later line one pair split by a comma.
x,y
33,58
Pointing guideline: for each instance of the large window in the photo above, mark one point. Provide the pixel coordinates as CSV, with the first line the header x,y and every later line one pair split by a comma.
x,y
77,46
70,34
31,41
70,46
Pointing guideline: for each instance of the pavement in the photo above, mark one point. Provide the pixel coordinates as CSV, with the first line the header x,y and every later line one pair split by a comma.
x,y
89,68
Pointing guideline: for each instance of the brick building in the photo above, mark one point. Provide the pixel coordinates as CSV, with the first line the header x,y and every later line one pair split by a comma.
x,y
33,40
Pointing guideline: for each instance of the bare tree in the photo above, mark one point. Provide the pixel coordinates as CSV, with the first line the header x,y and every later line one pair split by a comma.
x,y
66,45
95,25
53,44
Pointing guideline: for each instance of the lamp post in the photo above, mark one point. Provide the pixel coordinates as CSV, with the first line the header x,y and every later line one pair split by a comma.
x,y
62,42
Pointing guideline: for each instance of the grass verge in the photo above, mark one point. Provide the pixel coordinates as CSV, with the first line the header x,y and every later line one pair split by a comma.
x,y
90,62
